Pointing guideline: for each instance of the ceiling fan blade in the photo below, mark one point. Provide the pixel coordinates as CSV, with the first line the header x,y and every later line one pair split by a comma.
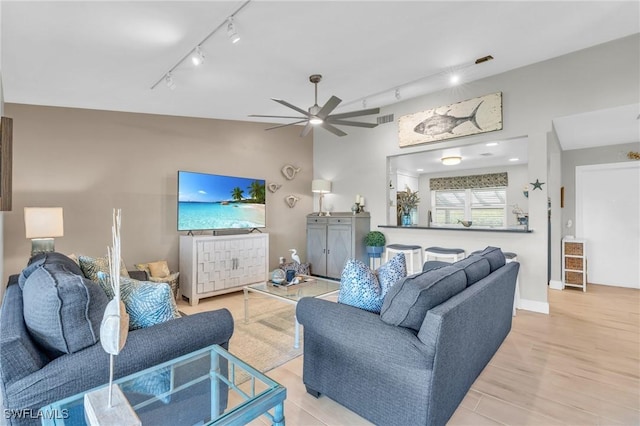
x,y
356,113
331,104
352,123
332,129
306,130
276,116
287,104
285,125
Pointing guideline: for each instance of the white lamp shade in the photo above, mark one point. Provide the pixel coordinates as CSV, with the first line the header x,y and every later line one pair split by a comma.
x,y
321,186
43,222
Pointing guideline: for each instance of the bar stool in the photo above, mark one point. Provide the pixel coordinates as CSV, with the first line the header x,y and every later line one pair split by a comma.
x,y
409,251
448,254
508,258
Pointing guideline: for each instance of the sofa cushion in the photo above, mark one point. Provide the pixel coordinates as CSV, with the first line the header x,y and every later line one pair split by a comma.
x,y
475,267
495,257
365,289
92,265
62,309
49,258
147,303
408,301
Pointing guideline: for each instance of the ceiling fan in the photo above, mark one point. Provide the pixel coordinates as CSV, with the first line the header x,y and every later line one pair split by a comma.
x,y
322,117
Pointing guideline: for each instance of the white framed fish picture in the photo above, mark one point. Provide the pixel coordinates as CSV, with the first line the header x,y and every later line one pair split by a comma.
x,y
477,115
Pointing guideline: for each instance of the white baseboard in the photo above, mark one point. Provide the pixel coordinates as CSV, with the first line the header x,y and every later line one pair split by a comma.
x,y
556,285
534,306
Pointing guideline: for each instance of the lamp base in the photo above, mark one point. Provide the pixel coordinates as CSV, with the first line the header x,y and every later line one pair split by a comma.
x,y
42,245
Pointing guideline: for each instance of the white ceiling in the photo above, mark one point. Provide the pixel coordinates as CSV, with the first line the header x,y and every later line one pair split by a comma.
x,y
107,55
500,153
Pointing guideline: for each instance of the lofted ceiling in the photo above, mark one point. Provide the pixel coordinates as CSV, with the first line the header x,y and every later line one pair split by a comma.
x,y
108,55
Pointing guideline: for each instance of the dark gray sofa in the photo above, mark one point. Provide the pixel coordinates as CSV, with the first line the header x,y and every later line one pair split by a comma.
x,y
31,379
397,375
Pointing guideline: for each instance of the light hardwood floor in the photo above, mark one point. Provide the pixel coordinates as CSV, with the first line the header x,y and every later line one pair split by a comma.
x,y
579,365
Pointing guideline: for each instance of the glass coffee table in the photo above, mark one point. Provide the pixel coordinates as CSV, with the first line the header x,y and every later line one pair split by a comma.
x,y
309,286
206,387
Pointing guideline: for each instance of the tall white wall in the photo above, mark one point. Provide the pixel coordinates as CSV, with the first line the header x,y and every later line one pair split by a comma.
x,y
600,77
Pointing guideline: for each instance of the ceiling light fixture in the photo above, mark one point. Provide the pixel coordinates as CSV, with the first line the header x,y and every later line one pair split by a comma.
x,y
454,79
492,144
514,159
228,21
420,86
231,31
169,81
315,120
197,57
451,161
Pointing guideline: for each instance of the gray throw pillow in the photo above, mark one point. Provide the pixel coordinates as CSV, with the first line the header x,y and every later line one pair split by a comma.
x,y
408,301
475,267
495,256
48,258
62,310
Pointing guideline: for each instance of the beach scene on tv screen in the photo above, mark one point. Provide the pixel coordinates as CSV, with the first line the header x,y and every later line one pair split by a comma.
x,y
207,201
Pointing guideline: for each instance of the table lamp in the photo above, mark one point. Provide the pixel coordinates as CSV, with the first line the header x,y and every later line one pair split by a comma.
x,y
321,187
42,225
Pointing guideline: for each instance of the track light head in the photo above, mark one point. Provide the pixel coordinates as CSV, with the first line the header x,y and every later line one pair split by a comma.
x,y
197,57
169,80
231,31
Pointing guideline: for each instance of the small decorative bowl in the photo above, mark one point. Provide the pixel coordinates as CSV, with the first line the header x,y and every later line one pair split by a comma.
x,y
465,223
277,276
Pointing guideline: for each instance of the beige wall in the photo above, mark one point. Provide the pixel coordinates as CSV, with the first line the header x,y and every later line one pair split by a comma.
x,y
89,162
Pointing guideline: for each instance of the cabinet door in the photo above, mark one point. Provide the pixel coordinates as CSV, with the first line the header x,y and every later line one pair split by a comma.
x,y
338,249
317,248
250,261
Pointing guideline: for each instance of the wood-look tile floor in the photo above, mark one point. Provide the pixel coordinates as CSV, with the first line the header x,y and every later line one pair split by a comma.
x,y
579,365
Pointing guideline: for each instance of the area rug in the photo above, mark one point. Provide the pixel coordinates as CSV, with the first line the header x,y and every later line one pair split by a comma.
x,y
266,341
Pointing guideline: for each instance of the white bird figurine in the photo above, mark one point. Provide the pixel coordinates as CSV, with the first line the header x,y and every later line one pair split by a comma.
x,y
294,255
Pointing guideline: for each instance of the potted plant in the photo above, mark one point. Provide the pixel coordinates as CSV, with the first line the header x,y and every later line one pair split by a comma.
x,y
407,201
375,242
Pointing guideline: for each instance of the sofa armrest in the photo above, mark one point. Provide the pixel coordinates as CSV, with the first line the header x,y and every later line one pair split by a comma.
x,y
70,374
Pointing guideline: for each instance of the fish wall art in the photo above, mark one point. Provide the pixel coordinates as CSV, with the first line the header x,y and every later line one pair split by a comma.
x,y
477,115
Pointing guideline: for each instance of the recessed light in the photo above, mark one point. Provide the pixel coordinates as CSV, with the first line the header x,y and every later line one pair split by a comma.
x,y
454,79
492,144
514,159
419,170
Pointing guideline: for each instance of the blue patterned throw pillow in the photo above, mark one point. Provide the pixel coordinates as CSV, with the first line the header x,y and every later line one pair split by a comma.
x,y
147,303
365,289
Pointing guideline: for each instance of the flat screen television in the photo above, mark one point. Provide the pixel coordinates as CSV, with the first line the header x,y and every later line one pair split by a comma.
x,y
210,202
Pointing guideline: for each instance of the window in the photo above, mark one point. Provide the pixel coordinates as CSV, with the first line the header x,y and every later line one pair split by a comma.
x,y
483,206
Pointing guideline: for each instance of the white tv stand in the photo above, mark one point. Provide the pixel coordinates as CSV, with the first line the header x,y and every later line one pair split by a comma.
x,y
216,264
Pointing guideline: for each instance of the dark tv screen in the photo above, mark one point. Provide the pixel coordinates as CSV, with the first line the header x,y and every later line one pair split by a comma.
x,y
209,202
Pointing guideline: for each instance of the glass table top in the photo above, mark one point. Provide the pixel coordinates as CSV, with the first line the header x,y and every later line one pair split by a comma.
x,y
206,387
308,287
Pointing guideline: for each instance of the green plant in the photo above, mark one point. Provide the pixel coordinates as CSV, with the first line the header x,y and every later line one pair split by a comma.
x,y
407,201
375,239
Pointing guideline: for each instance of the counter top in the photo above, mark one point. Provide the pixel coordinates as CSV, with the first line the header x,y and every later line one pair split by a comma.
x,y
461,228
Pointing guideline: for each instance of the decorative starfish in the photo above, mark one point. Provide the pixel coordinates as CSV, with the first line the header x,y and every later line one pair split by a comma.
x,y
537,185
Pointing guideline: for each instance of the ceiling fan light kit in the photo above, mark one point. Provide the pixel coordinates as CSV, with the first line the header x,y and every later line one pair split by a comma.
x,y
321,116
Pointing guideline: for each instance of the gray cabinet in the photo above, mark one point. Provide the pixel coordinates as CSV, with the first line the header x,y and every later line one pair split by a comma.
x,y
331,240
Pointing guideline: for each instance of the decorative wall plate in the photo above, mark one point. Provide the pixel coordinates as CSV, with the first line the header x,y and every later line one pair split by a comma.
x,y
273,187
290,171
291,200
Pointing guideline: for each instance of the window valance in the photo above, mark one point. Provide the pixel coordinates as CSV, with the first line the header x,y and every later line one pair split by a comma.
x,y
488,180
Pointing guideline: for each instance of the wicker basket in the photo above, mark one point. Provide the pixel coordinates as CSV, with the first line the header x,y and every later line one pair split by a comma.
x,y
573,277
573,263
573,249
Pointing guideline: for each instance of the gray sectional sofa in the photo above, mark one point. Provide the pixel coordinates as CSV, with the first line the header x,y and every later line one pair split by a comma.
x,y
415,362
33,376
